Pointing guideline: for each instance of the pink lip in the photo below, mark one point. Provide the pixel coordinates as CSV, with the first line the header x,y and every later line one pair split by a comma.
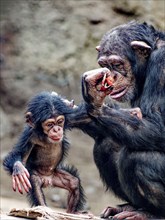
x,y
118,93
55,139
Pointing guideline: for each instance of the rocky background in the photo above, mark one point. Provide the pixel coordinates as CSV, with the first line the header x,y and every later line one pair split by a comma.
x,y
47,45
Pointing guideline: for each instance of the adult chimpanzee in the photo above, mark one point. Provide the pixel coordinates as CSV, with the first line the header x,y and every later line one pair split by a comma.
x,y
37,159
129,151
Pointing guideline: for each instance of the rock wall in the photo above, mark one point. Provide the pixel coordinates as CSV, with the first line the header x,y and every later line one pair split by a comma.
x,y
47,45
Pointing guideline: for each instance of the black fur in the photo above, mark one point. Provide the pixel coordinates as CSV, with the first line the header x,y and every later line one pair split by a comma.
x,y
130,153
43,106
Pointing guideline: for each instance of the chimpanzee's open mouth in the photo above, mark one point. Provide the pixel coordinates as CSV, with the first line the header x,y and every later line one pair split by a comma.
x,y
116,94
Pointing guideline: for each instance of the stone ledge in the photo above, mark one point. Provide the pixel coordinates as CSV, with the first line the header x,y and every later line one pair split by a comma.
x,y
41,213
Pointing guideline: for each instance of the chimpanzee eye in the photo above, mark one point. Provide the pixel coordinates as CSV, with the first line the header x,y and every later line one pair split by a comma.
x,y
102,62
49,125
118,66
103,65
60,121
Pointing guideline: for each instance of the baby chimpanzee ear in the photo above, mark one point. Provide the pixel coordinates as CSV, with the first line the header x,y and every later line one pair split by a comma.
x,y
28,117
142,49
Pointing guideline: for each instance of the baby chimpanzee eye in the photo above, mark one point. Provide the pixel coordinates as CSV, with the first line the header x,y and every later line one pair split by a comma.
x,y
60,121
49,125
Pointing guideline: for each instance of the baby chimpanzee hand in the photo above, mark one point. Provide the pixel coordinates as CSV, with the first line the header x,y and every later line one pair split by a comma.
x,y
20,178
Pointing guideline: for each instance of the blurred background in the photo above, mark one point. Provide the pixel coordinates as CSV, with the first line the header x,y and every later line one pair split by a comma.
x,y
47,45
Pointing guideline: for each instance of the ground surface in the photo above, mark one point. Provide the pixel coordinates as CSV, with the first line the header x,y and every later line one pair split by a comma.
x,y
47,45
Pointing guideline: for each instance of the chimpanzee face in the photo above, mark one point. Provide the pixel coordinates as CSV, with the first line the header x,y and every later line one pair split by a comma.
x,y
121,72
124,51
54,128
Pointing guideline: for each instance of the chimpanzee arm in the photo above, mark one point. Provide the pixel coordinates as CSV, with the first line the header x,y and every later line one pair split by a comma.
x,y
20,150
14,162
121,126
79,118
130,131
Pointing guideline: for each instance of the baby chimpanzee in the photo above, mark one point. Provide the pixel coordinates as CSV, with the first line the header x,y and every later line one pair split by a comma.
x,y
36,161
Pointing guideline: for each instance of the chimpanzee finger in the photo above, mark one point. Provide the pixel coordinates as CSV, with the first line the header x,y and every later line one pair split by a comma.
x,y
94,75
26,173
139,115
128,215
109,211
137,112
23,183
13,183
27,182
18,185
106,213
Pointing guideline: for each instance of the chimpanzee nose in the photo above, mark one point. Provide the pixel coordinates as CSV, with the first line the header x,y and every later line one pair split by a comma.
x,y
56,128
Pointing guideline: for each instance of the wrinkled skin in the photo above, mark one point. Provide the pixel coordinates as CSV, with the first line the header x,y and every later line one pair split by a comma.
x,y
130,143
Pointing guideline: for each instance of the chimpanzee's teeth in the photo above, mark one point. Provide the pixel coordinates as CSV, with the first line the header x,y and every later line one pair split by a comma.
x,y
104,78
106,85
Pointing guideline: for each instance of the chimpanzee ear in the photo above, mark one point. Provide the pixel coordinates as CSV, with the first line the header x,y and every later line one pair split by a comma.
x,y
28,117
98,48
141,48
69,103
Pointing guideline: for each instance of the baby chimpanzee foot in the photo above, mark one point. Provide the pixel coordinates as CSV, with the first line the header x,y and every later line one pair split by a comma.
x,y
130,215
110,211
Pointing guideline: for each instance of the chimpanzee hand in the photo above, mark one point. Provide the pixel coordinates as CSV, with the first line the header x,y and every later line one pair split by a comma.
x,y
20,178
134,112
92,83
70,104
